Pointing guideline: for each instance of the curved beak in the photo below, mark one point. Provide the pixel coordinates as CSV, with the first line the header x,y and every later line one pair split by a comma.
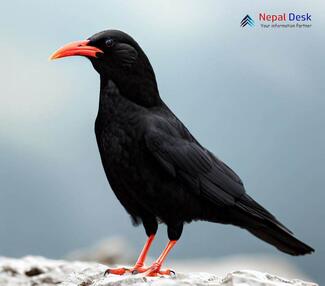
x,y
78,48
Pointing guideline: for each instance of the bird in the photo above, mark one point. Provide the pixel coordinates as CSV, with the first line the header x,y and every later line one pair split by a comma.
x,y
158,171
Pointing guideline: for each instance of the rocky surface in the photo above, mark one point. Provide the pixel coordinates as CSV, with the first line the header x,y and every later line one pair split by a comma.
x,y
33,271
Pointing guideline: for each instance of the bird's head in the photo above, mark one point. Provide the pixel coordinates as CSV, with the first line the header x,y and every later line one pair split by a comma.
x,y
116,56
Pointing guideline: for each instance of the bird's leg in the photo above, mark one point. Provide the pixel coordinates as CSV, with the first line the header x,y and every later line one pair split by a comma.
x,y
155,268
138,267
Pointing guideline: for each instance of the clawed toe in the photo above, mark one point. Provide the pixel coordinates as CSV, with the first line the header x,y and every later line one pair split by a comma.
x,y
116,271
151,271
121,271
156,271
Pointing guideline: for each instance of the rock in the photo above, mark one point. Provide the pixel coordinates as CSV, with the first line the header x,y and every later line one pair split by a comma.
x,y
220,266
33,271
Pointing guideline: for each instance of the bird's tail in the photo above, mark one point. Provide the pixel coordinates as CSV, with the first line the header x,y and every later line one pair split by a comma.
x,y
281,239
265,226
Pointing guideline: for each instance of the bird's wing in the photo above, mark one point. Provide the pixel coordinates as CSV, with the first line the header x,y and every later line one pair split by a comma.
x,y
185,159
198,168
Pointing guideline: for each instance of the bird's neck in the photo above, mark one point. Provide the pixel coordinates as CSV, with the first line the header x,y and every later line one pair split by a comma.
x,y
138,88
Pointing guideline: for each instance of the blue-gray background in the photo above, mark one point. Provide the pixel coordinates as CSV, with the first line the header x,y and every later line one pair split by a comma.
x,y
254,97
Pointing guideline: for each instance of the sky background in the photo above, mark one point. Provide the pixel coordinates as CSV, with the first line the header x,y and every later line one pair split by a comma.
x,y
254,97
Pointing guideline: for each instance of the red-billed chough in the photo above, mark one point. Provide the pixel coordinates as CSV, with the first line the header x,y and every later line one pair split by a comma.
x,y
156,168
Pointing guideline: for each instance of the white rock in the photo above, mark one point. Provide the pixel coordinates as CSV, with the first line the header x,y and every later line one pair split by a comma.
x,y
33,271
220,266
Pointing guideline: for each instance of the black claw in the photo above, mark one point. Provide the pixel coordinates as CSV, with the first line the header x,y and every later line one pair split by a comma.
x,y
134,272
172,273
107,272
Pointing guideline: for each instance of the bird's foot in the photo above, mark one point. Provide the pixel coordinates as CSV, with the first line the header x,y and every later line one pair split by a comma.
x,y
152,271
155,270
116,271
138,268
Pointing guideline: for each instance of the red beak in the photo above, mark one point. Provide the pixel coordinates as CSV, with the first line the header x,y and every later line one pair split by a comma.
x,y
78,48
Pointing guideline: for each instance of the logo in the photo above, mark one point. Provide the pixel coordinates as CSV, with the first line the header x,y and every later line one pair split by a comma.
x,y
278,21
247,20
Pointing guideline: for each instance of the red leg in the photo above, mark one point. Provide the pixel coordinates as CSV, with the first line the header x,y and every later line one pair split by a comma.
x,y
143,255
154,269
138,267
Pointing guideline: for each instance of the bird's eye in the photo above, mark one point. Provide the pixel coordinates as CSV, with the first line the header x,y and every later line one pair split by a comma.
x,y
109,43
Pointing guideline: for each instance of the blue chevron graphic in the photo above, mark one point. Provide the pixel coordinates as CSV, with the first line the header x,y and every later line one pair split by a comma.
x,y
247,20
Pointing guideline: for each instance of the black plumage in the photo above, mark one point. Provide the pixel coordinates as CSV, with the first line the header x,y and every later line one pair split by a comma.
x,y
157,169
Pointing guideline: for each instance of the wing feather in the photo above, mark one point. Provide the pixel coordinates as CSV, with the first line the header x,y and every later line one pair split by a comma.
x,y
201,171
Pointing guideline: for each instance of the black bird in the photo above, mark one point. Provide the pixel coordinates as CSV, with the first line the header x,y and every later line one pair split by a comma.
x,y
156,168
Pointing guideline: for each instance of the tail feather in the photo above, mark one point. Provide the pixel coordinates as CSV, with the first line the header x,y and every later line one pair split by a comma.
x,y
265,226
281,239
